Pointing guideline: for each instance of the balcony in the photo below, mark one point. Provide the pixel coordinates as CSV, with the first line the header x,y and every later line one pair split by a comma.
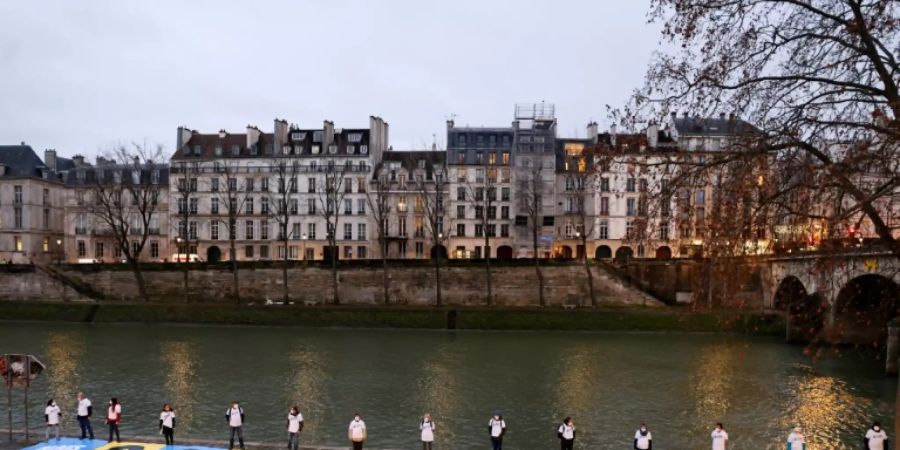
x,y
80,230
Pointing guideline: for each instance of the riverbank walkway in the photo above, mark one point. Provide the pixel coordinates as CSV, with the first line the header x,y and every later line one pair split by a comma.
x,y
141,442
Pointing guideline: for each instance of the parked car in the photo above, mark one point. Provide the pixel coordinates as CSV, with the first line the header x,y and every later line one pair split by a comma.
x,y
186,257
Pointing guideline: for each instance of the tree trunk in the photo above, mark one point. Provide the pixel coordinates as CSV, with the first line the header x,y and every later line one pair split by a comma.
x,y
437,279
590,276
139,279
384,272
537,269
185,283
234,272
487,266
284,268
335,297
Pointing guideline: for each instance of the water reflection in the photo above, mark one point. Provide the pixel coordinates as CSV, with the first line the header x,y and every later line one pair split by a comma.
x,y
441,387
63,350
712,384
306,386
576,380
178,358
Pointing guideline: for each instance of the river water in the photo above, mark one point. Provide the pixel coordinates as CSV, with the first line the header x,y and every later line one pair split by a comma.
x,y
680,384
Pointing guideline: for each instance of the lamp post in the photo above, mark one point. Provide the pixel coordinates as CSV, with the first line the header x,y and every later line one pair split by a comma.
x,y
59,252
179,241
303,246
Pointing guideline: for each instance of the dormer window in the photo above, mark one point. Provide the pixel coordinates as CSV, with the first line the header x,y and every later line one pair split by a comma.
x,y
154,177
422,163
461,138
315,150
286,149
136,176
355,137
298,149
364,149
351,149
298,136
236,150
218,150
117,177
317,136
197,149
80,175
332,149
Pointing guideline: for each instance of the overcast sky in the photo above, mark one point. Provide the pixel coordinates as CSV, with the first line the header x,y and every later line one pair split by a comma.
x,y
83,76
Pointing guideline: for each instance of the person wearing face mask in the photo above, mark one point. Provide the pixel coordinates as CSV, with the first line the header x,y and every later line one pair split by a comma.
x,y
566,434
427,431
85,411
235,418
167,424
497,428
51,416
795,440
719,437
876,438
114,418
643,440
357,432
295,426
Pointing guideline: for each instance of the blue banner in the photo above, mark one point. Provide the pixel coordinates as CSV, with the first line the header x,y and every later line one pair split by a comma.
x,y
96,444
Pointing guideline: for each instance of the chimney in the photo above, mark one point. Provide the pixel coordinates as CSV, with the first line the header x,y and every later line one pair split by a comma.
x,y
282,130
612,135
653,135
673,114
222,133
252,136
450,124
721,116
184,135
328,135
684,114
50,159
731,116
592,131
78,160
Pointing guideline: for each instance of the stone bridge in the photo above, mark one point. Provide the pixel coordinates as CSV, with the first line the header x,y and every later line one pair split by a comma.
x,y
846,298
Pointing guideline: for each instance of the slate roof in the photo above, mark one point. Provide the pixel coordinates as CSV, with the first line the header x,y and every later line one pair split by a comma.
x,y
20,161
88,174
409,159
696,126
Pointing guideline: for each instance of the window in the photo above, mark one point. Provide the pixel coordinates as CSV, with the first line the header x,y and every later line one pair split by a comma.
x,y
193,184
360,206
214,184
348,252
46,218
348,231
461,229
17,195
232,184
491,230
504,194
45,198
401,226
504,230
192,206
479,212
571,206
79,247
629,185
248,205
685,231
264,184
603,230
492,158
214,230
264,205
248,251
361,232
293,206
98,250
664,231
664,208
460,212
364,149
479,194
17,217
248,230
249,184
264,252
604,184
479,230
310,231
630,207
332,149
643,185
311,206
570,184
362,252
504,159
700,196
292,184
629,229
420,249
492,212
348,207
504,212
154,249
192,230
310,185
295,231
214,205
604,206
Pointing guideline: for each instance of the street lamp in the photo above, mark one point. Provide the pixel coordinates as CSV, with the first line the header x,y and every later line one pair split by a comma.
x,y
303,245
180,241
59,252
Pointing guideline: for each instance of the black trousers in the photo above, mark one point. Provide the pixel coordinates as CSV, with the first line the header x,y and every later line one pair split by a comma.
x,y
567,444
240,434
426,445
169,433
357,445
497,443
114,428
85,423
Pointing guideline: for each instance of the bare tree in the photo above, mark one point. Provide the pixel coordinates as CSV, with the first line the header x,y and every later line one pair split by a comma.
x,y
230,195
281,205
483,191
377,197
818,79
186,189
331,194
432,189
530,195
126,193
580,198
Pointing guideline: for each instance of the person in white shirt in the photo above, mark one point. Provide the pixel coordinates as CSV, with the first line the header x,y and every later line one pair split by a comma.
x,y
51,415
719,438
643,440
427,431
294,427
357,432
113,418
795,440
167,424
876,438
235,418
497,428
84,412
566,434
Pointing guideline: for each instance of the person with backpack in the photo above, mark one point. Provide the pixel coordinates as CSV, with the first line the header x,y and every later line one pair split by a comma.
x,y
356,432
51,416
566,434
114,418
235,418
427,431
497,429
294,427
643,440
167,424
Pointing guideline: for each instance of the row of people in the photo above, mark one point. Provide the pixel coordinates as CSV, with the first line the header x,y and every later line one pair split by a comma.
x,y
875,437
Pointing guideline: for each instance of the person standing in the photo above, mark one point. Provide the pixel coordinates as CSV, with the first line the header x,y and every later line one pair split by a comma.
x,y
167,424
643,440
876,438
84,412
497,428
357,432
294,427
427,432
113,418
795,440
719,437
566,434
51,416
235,418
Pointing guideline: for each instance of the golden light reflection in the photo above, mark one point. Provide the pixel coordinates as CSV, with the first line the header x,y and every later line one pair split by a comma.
x,y
441,386
712,384
306,385
180,376
577,374
63,351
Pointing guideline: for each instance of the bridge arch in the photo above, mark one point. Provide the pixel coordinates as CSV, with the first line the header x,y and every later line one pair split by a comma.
x,y
863,307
